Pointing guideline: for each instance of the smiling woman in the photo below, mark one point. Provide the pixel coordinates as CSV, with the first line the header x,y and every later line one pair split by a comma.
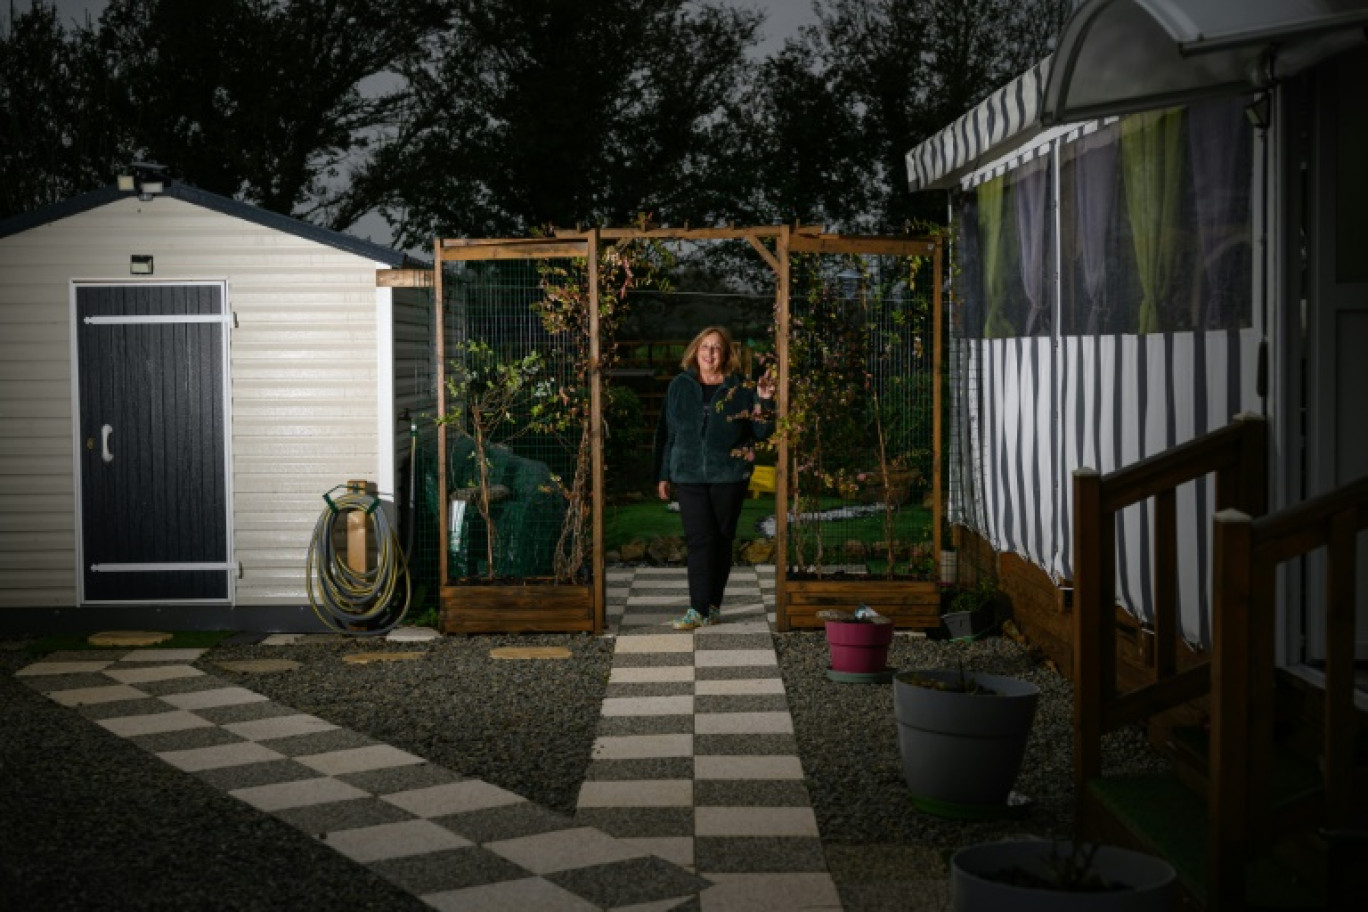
x,y
703,450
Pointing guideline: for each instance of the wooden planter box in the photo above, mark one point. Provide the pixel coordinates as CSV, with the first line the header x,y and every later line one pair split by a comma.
x,y
910,603
517,607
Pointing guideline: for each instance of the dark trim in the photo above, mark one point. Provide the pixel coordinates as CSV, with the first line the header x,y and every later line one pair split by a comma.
x,y
94,618
216,203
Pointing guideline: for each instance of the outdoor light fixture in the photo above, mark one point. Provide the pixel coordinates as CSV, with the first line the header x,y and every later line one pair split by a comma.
x,y
140,264
147,179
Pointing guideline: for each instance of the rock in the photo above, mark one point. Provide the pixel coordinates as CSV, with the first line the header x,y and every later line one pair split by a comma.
x,y
659,551
259,666
412,635
633,551
367,658
758,551
127,638
529,652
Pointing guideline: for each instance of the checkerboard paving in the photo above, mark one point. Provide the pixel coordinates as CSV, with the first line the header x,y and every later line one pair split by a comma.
x,y
456,843
694,798
695,760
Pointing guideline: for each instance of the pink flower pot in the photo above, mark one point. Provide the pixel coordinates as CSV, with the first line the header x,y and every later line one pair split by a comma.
x,y
858,648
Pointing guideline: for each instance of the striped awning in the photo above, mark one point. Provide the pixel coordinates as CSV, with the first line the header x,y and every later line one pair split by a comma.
x,y
1119,56
1008,117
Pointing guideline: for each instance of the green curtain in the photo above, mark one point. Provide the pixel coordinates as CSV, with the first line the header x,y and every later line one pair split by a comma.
x,y
1151,168
992,248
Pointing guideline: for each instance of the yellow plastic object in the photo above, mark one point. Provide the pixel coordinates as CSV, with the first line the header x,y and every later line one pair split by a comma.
x,y
762,480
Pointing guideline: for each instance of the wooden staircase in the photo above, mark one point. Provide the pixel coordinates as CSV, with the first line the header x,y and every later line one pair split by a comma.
x,y
1258,811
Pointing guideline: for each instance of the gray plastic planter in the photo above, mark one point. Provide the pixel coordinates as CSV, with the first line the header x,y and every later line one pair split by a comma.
x,y
1148,881
962,749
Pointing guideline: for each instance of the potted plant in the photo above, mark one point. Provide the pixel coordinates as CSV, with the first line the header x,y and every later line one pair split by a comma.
x,y
962,737
973,611
859,644
1037,874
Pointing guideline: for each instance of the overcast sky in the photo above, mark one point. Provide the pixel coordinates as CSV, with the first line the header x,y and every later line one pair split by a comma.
x,y
782,17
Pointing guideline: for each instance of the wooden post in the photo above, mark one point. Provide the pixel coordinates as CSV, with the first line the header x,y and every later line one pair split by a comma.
x,y
596,435
1228,792
1340,597
1165,544
358,529
443,533
781,467
938,329
1089,605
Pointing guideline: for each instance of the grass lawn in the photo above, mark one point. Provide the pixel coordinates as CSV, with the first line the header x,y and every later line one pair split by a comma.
x,y
650,519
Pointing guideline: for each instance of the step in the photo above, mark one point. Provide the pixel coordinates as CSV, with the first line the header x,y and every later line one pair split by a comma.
x,y
1165,818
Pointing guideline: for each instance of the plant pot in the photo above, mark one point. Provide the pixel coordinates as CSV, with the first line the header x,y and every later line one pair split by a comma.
x,y
1147,883
962,750
857,647
968,625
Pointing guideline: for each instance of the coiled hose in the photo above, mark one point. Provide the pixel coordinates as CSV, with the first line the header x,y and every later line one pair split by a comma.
x,y
350,601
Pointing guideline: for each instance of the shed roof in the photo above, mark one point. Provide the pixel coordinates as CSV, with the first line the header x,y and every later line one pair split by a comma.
x,y
222,204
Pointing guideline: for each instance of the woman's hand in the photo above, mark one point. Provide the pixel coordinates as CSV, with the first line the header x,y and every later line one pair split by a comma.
x,y
663,489
764,387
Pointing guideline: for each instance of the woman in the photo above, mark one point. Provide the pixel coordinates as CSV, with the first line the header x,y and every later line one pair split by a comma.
x,y
709,419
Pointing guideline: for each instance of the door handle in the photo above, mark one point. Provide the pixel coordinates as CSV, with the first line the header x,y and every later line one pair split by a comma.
x,y
104,443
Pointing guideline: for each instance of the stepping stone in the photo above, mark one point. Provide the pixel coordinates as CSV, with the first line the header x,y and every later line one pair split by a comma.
x,y
412,635
259,666
530,652
127,638
366,658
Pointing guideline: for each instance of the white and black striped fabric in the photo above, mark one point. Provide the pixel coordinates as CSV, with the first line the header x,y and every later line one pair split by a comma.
x,y
1009,115
1041,408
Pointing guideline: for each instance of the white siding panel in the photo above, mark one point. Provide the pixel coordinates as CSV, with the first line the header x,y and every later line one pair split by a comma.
x,y
302,375
34,540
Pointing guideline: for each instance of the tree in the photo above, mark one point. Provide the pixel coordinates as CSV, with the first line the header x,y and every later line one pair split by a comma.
x,y
898,70
803,150
563,112
58,134
261,100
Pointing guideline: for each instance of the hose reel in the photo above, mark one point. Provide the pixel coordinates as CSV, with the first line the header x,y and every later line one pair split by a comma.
x,y
348,596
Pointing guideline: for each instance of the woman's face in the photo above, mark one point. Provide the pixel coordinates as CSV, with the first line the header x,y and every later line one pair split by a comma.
x,y
711,353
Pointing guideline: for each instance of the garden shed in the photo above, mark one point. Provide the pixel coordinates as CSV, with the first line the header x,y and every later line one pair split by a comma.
x,y
182,377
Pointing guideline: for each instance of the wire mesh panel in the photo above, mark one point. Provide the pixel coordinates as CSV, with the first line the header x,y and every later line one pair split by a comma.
x,y
861,418
514,427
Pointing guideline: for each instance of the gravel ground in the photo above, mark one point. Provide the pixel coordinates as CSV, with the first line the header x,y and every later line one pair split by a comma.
x,y
93,822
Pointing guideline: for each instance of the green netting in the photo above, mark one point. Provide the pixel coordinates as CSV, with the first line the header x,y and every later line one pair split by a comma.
x,y
425,550
526,506
514,395
862,410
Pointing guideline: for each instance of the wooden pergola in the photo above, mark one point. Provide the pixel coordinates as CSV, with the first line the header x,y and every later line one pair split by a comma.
x,y
541,607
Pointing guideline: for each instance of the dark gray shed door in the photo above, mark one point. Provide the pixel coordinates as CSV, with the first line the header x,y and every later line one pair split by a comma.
x,y
154,506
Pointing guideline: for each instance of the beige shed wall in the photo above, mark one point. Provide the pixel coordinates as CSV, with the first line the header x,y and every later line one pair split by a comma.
x,y
303,382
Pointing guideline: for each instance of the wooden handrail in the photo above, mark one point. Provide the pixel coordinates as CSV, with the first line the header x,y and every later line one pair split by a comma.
x,y
1223,448
1248,553
1237,455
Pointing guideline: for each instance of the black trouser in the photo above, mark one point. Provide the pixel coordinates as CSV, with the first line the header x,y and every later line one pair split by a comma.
x,y
709,512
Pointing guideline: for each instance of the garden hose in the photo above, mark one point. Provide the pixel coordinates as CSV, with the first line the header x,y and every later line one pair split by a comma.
x,y
360,603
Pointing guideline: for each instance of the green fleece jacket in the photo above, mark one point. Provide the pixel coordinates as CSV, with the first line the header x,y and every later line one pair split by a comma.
x,y
695,444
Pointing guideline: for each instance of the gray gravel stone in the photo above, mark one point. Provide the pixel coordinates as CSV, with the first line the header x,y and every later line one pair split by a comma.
x,y
90,819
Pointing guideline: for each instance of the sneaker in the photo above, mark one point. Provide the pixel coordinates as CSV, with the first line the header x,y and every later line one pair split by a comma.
x,y
692,619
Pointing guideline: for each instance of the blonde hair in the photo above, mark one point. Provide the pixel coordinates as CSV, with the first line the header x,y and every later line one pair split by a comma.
x,y
731,363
